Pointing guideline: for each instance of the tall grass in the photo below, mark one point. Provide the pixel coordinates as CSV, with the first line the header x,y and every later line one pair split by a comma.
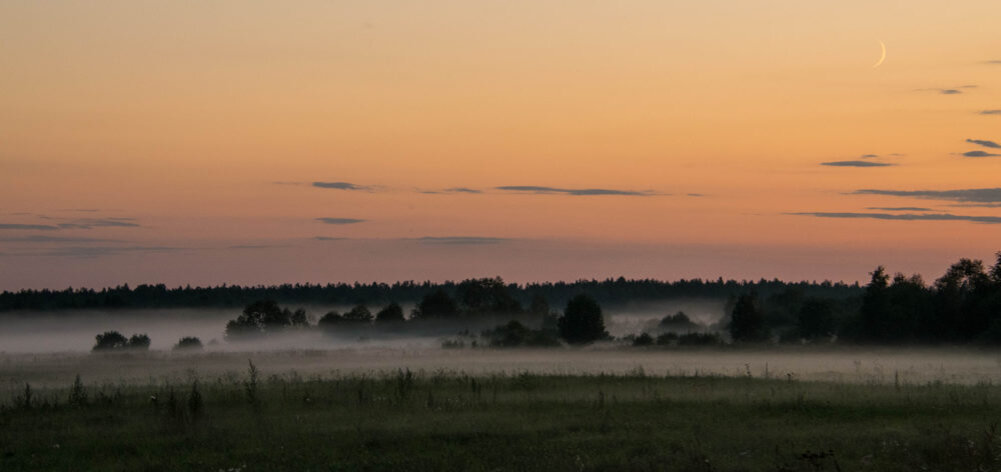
x,y
450,420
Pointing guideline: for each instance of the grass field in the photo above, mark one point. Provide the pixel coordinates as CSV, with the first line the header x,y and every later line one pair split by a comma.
x,y
447,420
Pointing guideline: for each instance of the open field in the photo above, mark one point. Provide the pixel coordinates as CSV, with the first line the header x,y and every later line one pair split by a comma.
x,y
488,409
447,420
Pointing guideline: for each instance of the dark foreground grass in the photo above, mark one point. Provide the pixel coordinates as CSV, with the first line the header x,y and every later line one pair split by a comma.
x,y
450,421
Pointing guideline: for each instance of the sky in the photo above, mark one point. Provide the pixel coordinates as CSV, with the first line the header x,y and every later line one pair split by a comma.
x,y
253,142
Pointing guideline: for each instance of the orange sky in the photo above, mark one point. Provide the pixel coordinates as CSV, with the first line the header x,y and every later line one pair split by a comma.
x,y
193,133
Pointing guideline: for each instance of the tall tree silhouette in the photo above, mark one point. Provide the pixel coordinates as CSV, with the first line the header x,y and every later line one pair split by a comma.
x,y
582,321
747,322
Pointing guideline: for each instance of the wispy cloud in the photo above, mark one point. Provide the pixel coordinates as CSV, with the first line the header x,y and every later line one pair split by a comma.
x,y
40,238
949,91
869,156
340,221
341,186
574,191
981,195
258,246
899,208
460,240
980,154
856,164
89,223
907,216
990,112
28,227
976,205
329,238
97,251
452,190
462,190
984,143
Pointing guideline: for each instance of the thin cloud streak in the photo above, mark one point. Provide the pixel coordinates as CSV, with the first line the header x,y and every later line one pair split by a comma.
x,y
95,223
28,227
341,186
97,251
856,164
907,217
984,143
980,154
38,238
899,208
452,190
340,221
460,240
981,195
573,191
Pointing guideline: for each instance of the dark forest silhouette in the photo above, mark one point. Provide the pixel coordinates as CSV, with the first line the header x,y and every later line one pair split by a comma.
x,y
537,296
961,307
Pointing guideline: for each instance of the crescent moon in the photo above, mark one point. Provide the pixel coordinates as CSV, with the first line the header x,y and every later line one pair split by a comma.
x,y
882,56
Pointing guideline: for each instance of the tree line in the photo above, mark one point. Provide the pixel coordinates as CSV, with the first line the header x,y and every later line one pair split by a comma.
x,y
608,292
961,307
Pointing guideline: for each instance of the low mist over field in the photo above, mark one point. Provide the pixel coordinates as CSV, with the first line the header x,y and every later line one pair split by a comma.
x,y
808,363
74,331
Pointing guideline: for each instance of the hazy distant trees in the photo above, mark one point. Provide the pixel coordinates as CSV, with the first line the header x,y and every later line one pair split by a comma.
x,y
747,322
139,342
582,321
436,305
110,340
264,317
515,334
539,306
358,314
644,339
188,343
486,296
606,292
329,321
816,319
678,322
391,313
115,341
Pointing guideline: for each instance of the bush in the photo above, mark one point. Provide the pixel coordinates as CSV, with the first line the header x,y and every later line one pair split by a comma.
x,y
515,334
667,338
678,322
643,340
115,341
391,313
110,340
264,317
139,342
188,343
359,314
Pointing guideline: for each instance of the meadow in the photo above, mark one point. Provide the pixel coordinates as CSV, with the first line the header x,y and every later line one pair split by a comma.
x,y
312,410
